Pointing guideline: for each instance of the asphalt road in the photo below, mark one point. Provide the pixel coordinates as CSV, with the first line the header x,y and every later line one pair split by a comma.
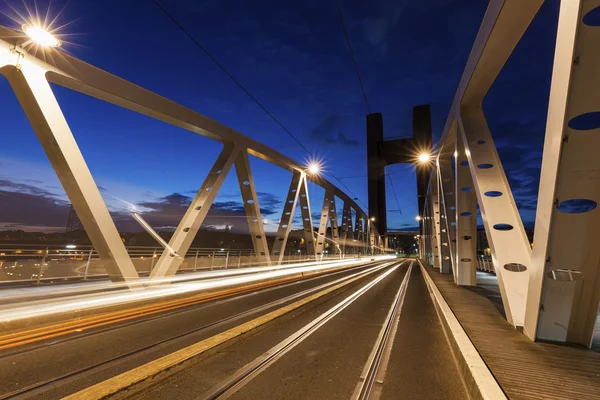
x,y
325,365
328,363
70,363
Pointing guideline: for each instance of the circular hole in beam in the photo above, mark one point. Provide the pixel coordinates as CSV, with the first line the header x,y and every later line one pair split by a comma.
x,y
515,267
576,206
466,189
246,183
585,122
464,163
503,227
493,193
467,260
250,201
485,166
481,142
466,238
592,18
465,214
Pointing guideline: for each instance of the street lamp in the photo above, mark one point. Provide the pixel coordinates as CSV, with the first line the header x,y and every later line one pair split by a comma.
x,y
418,218
372,219
424,157
314,167
41,36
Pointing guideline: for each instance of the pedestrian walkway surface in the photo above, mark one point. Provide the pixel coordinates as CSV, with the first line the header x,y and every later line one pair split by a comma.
x,y
524,369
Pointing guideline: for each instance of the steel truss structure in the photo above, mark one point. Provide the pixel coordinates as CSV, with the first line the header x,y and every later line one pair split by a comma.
x,y
30,77
552,291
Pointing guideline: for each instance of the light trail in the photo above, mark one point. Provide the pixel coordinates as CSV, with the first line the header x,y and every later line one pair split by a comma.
x,y
25,294
50,307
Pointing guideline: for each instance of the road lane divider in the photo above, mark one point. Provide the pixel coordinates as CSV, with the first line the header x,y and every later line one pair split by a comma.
x,y
371,380
478,379
149,370
254,368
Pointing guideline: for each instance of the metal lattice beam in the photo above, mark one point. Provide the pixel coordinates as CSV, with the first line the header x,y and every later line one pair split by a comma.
x,y
252,208
564,282
43,111
187,229
287,216
309,232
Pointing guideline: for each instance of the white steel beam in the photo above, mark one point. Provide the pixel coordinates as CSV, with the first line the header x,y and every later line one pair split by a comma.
x,y
187,229
309,232
466,219
511,251
446,260
564,291
346,225
287,216
335,234
252,208
35,95
328,199
435,222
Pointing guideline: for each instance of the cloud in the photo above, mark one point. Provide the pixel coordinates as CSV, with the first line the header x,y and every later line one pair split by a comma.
x,y
330,133
25,188
32,210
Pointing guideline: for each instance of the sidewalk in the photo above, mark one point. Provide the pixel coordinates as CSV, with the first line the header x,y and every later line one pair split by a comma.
x,y
524,369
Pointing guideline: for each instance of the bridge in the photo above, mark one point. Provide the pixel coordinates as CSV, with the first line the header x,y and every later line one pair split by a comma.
x,y
337,308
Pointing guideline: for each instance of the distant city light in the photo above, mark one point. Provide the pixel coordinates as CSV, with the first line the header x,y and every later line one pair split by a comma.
x,y
41,36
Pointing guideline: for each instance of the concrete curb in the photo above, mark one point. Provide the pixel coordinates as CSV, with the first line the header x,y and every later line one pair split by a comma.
x,y
479,381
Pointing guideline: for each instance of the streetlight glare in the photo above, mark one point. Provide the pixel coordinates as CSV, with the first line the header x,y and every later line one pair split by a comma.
x,y
418,218
314,168
424,157
41,36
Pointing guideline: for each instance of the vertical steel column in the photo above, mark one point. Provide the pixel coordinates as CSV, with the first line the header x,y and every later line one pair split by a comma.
x,y
564,281
287,216
49,124
172,256
323,221
511,252
335,234
309,232
252,208
447,211
466,219
437,240
347,225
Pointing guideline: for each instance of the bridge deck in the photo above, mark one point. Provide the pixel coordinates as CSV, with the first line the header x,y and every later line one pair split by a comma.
x,y
524,369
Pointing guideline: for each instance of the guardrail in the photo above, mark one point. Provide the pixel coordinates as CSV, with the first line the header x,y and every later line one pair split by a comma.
x,y
33,263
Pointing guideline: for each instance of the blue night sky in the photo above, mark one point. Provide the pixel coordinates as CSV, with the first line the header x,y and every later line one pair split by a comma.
x,y
293,57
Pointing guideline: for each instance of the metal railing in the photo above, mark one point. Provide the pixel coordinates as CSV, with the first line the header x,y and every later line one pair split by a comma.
x,y
485,264
34,263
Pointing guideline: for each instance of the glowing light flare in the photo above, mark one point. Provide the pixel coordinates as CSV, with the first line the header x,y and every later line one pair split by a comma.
x,y
41,36
418,218
314,168
424,157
